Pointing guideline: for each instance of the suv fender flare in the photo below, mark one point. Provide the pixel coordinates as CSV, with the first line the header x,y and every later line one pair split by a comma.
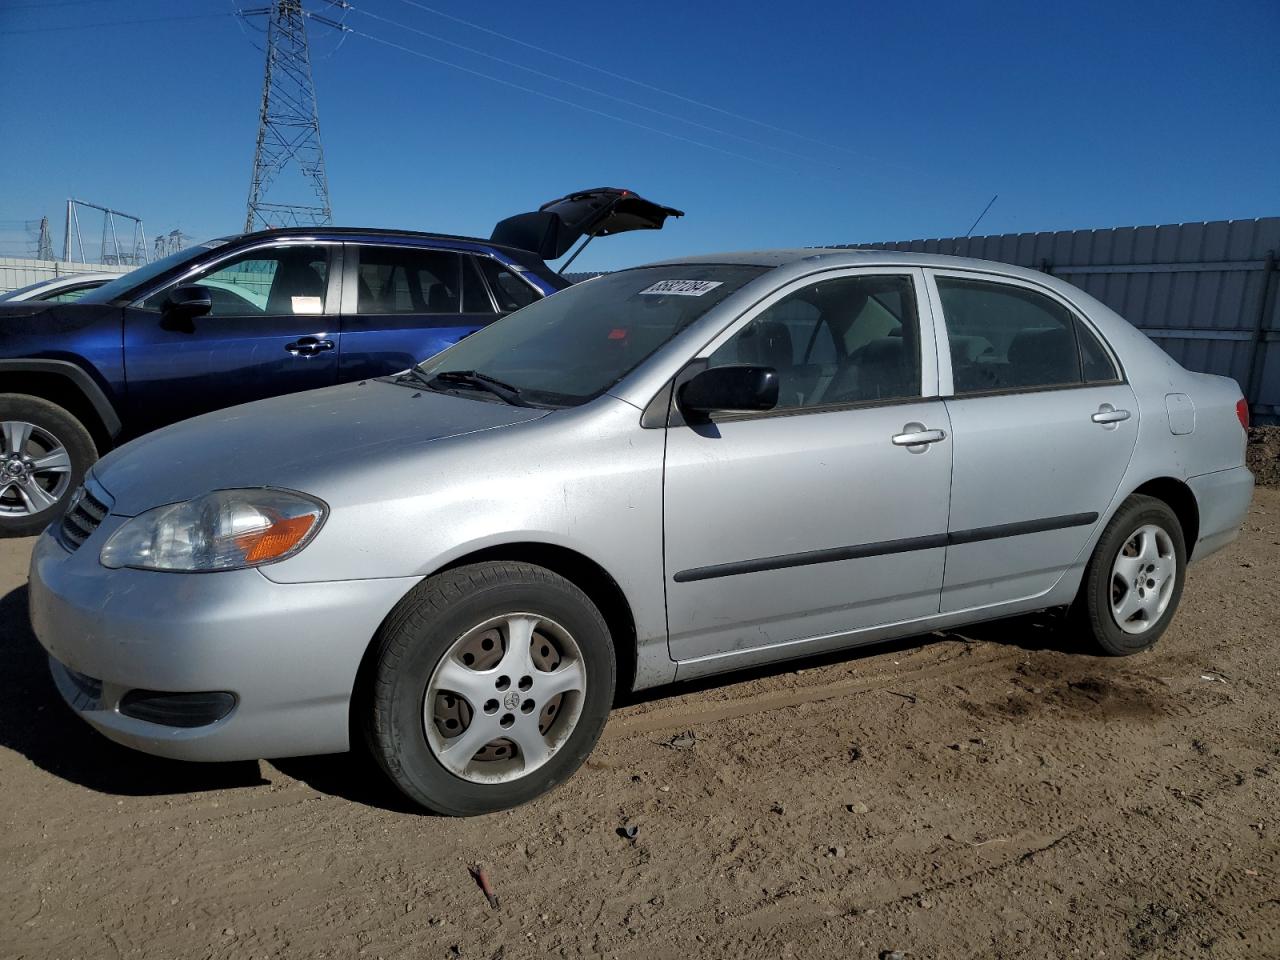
x,y
79,378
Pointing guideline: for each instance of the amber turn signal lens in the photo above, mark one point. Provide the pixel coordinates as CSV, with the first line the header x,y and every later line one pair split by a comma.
x,y
276,540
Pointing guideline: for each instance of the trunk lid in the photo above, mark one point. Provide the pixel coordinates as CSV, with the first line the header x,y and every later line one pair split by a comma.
x,y
552,229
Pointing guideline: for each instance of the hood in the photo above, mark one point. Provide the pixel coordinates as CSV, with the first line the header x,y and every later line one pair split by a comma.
x,y
30,328
556,226
295,441
13,309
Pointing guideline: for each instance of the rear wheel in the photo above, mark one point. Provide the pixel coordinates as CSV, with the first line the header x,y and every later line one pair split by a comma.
x,y
490,685
44,454
1134,580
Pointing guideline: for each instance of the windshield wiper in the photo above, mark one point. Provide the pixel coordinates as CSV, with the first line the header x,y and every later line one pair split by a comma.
x,y
415,375
481,381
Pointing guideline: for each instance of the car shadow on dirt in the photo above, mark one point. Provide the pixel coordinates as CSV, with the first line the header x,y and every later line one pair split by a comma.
x,y
1037,632
37,724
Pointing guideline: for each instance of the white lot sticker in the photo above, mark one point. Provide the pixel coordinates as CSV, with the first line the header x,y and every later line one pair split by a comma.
x,y
308,305
681,288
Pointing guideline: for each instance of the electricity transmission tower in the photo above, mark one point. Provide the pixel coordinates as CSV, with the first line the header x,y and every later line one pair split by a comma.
x,y
44,245
288,156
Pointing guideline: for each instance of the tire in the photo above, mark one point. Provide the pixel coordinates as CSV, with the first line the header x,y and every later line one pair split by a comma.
x,y
1105,605
423,688
35,431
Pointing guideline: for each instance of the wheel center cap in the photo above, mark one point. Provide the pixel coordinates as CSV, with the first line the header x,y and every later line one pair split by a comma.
x,y
15,468
511,700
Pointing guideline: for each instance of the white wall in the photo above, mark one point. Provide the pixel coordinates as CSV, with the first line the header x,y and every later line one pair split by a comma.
x,y
16,272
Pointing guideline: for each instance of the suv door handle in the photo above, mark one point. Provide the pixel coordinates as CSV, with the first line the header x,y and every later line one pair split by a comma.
x,y
1109,414
308,346
917,434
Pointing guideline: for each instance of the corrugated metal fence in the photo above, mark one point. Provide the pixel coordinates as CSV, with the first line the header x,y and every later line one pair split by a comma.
x,y
1208,293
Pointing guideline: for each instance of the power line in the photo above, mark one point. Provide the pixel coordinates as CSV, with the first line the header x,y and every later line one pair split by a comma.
x,y
585,88
624,78
118,23
562,100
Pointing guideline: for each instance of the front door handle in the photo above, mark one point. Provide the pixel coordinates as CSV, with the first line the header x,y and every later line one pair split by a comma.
x,y
1109,414
308,346
917,435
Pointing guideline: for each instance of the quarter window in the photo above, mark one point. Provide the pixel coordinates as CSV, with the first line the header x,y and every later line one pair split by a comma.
x,y
1097,366
279,282
403,280
841,341
511,292
1004,337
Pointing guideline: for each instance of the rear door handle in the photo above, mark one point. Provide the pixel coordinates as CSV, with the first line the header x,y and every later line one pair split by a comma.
x,y
917,434
1109,414
308,346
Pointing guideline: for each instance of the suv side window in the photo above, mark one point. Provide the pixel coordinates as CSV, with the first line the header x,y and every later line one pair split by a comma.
x,y
475,298
405,280
510,291
278,282
1004,337
836,342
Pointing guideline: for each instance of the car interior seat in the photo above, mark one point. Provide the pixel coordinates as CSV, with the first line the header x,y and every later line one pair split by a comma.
x,y
295,277
1043,356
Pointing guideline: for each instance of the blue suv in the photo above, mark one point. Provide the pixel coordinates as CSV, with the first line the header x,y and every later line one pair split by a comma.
x,y
256,315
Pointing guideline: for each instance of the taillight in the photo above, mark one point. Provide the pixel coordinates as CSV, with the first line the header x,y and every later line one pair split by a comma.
x,y
1242,412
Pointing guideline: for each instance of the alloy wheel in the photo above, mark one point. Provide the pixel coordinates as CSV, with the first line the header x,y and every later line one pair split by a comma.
x,y
35,469
1142,579
504,698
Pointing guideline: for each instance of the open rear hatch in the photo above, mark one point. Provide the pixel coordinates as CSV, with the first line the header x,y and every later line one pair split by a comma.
x,y
555,227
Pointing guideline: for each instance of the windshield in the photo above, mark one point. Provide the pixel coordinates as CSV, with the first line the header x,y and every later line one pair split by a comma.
x,y
124,284
576,344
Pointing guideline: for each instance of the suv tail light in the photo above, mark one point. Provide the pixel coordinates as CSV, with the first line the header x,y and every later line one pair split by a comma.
x,y
1242,412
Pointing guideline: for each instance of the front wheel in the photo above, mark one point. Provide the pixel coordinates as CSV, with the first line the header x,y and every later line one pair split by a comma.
x,y
490,685
1134,580
44,454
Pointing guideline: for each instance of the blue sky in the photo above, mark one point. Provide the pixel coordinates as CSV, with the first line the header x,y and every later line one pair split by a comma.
x,y
863,121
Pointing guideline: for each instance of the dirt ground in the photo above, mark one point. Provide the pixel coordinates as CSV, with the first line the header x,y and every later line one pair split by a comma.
x,y
988,793
1264,454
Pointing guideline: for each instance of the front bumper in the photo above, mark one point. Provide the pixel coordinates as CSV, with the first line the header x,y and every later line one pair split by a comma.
x,y
288,652
1223,499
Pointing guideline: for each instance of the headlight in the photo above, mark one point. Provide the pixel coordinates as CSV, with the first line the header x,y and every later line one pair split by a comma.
x,y
223,530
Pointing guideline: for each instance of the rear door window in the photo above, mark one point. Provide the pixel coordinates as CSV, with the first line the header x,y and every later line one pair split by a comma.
x,y
1005,337
405,280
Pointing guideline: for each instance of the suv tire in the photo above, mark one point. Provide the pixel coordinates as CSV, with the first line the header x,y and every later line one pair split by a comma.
x,y
44,455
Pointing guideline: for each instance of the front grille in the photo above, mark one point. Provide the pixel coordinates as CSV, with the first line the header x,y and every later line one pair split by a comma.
x,y
88,509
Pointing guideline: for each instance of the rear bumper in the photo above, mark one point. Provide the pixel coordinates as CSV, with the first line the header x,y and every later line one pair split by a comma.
x,y
1223,499
287,653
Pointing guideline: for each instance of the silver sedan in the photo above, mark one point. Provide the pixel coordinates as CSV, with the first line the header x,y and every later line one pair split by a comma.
x,y
667,472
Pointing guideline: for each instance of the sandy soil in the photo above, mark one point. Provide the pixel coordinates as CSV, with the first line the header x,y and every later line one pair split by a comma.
x,y
1264,454
990,793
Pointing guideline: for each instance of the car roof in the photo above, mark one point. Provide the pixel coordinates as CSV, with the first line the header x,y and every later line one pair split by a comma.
x,y
368,234
854,257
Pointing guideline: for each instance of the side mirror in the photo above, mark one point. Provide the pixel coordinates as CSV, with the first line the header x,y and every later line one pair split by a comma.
x,y
736,387
185,303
